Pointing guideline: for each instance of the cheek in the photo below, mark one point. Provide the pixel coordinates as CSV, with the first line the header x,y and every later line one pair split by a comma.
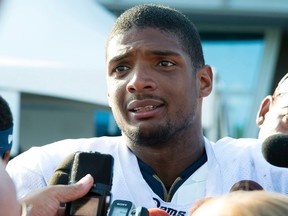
x,y
116,92
272,122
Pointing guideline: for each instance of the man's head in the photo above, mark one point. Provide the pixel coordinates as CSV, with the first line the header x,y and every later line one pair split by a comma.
x,y
165,19
156,75
6,129
272,116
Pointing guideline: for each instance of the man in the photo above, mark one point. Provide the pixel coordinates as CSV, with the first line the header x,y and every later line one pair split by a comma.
x,y
272,117
157,80
6,130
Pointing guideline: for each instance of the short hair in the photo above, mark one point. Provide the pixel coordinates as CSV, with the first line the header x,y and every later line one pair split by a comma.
x,y
165,19
6,118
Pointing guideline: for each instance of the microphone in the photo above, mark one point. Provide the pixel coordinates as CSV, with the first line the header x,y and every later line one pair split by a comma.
x,y
275,150
74,167
246,185
97,200
62,172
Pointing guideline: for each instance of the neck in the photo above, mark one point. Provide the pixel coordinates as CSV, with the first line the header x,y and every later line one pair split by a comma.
x,y
171,158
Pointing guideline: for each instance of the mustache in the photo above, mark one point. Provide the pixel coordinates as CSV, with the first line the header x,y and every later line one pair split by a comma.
x,y
143,97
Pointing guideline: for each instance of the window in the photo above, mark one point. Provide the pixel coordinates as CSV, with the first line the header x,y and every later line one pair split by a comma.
x,y
236,61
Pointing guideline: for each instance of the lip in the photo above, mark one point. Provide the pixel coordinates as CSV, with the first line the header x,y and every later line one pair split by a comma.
x,y
146,108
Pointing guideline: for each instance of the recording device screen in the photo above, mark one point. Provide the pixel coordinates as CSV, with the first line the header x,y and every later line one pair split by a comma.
x,y
119,211
121,208
85,206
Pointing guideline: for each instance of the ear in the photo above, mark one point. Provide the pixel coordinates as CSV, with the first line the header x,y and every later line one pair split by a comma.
x,y
205,76
6,157
263,109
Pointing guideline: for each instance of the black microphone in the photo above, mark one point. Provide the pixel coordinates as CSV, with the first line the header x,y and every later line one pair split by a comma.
x,y
77,165
62,172
97,201
275,150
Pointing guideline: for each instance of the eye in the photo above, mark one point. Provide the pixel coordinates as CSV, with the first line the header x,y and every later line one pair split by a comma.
x,y
120,69
166,63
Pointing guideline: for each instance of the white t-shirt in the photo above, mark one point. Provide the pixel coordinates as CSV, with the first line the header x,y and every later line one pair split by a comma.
x,y
229,161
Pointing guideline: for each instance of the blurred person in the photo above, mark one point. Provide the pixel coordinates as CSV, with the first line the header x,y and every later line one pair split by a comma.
x,y
6,130
9,206
272,116
157,79
244,203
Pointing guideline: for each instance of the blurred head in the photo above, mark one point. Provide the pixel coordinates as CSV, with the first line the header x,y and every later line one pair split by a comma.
x,y
155,74
244,203
6,129
246,185
272,117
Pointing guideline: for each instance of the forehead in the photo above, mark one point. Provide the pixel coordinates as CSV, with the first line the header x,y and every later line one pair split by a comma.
x,y
145,39
283,87
282,101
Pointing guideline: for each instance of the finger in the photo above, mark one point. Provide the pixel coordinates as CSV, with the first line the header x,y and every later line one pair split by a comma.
x,y
67,193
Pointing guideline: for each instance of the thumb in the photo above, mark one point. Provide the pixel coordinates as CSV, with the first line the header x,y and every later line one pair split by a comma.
x,y
47,201
67,193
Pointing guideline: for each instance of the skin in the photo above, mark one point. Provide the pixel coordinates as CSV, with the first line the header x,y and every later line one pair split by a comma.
x,y
272,117
8,202
45,201
149,71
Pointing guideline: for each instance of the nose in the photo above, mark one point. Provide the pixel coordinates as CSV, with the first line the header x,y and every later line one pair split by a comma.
x,y
141,80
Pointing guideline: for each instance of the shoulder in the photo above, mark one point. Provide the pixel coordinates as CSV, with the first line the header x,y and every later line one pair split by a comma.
x,y
231,147
52,154
83,144
241,143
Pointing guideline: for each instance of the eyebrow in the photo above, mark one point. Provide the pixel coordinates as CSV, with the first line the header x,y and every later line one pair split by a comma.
x,y
119,57
154,52
165,53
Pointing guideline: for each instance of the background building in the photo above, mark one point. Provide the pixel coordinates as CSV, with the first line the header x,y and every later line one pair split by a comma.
x,y
52,63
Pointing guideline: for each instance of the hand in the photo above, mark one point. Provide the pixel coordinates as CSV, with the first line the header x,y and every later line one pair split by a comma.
x,y
8,202
47,201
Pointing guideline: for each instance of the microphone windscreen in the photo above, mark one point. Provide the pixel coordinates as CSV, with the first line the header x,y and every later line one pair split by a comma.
x,y
275,150
97,164
62,172
246,185
157,212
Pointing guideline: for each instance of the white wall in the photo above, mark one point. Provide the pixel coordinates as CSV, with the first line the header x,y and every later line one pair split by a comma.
x,y
55,48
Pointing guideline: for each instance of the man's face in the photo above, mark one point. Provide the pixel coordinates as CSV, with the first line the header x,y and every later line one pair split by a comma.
x,y
152,88
276,119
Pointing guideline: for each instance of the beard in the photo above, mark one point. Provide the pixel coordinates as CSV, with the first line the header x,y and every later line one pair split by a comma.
x,y
158,135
